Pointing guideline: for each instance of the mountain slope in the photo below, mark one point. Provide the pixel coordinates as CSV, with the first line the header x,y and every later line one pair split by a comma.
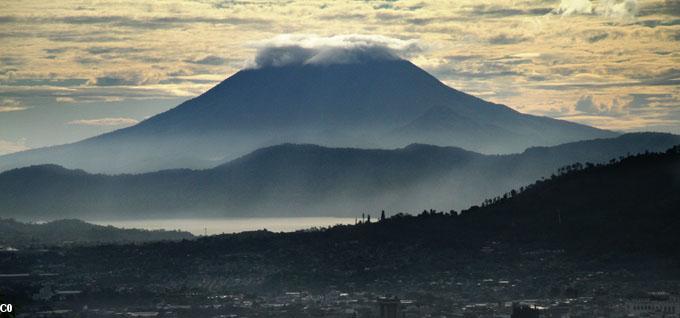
x,y
303,180
630,205
358,104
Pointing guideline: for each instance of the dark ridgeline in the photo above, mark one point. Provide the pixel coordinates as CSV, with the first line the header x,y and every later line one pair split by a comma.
x,y
14,234
370,103
302,180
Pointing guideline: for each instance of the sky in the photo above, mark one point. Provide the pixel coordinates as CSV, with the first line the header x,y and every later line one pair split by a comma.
x,y
74,69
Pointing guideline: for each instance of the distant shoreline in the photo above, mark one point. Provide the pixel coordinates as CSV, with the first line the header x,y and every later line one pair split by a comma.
x,y
227,225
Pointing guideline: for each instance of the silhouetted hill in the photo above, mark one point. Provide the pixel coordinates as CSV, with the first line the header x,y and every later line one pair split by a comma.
x,y
299,180
631,205
374,104
69,231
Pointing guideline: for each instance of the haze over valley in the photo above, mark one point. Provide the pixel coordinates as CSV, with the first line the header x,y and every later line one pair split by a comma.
x,y
305,180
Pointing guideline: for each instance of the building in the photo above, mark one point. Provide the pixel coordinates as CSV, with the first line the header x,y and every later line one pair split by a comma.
x,y
389,307
524,311
656,304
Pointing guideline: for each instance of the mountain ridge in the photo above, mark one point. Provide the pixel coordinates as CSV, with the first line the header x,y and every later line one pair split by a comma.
x,y
337,105
302,180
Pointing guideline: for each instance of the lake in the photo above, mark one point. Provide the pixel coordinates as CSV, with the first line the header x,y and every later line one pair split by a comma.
x,y
230,225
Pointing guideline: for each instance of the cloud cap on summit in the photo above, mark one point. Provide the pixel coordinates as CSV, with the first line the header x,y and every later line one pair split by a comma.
x,y
296,49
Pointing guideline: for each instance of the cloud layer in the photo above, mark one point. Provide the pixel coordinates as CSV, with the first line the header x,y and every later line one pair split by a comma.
x,y
8,146
617,9
10,105
104,59
112,121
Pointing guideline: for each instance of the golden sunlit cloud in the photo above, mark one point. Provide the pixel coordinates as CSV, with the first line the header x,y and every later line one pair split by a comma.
x,y
7,146
118,121
11,105
540,57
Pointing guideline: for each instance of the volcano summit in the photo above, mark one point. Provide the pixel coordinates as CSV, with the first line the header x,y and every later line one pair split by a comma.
x,y
363,95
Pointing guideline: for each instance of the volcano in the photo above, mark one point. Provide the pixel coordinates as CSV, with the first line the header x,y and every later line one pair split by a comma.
x,y
367,102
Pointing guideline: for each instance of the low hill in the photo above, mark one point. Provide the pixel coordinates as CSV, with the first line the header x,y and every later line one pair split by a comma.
x,y
16,234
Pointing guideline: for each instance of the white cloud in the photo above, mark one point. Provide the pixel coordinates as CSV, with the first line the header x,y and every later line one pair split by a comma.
x,y
290,49
570,7
7,146
65,99
11,105
614,9
111,121
587,105
625,10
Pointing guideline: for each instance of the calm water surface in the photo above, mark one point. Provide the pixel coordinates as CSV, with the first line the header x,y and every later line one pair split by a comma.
x,y
230,225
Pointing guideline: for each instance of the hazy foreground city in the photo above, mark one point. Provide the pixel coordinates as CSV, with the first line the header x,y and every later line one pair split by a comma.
x,y
384,159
